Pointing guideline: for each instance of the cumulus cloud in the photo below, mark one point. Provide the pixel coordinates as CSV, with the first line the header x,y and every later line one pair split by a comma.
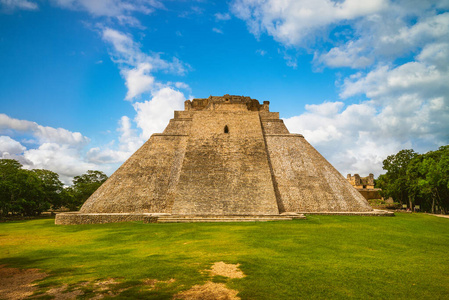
x,y
153,115
137,67
9,146
119,9
292,22
420,77
348,55
389,105
62,159
43,133
408,107
222,16
360,33
11,5
129,142
346,138
138,80
68,153
387,37
55,149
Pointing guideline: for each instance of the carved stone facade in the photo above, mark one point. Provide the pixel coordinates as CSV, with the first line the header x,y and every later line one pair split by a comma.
x,y
365,186
224,156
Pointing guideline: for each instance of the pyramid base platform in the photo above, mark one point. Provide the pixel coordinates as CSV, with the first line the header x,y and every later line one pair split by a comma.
x,y
77,218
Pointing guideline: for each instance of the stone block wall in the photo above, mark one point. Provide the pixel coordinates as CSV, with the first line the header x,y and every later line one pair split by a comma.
x,y
145,182
225,173
306,181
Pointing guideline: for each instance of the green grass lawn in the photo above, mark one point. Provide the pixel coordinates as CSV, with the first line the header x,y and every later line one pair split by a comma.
x,y
403,257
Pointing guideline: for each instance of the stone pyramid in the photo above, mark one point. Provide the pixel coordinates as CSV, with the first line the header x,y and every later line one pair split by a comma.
x,y
221,157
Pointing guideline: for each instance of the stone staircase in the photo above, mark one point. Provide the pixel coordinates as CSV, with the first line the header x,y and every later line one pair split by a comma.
x,y
219,218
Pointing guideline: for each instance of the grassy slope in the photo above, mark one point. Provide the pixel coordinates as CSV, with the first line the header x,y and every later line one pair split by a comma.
x,y
323,257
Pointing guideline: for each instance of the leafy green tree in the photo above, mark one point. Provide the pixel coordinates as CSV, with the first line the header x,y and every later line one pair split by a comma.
x,y
21,191
8,170
52,187
84,186
418,178
443,182
30,192
395,182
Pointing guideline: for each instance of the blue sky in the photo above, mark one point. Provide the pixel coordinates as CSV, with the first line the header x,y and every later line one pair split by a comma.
x,y
84,83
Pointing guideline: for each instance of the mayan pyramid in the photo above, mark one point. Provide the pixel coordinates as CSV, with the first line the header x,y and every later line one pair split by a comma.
x,y
221,157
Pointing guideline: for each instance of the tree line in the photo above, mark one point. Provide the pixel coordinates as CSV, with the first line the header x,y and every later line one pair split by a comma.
x,y
417,179
31,192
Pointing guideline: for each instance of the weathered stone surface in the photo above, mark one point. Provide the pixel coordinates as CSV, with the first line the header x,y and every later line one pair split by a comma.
x,y
222,156
225,173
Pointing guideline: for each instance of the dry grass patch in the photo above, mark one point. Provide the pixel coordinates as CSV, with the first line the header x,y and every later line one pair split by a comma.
x,y
209,291
61,293
226,270
18,284
151,283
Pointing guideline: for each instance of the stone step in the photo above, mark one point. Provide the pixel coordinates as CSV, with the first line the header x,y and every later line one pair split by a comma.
x,y
229,216
210,219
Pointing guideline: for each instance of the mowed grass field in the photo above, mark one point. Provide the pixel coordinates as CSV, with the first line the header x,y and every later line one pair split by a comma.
x,y
323,257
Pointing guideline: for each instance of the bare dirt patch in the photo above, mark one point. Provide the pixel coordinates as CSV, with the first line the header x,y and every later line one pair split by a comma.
x,y
208,291
104,285
151,283
18,284
226,270
61,293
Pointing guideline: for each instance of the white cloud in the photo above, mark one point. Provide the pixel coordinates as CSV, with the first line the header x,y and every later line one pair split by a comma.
x,y
348,55
62,159
217,30
408,107
261,52
66,152
291,22
153,115
436,54
362,32
353,139
129,140
55,149
111,8
222,16
10,5
384,82
138,80
387,36
43,133
182,85
9,146
137,68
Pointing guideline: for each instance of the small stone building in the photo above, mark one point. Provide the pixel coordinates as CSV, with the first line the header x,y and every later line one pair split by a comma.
x,y
222,158
365,185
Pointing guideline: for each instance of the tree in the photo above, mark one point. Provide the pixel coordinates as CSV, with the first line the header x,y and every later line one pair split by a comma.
x,y
84,186
418,178
30,192
53,188
395,182
8,173
21,191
